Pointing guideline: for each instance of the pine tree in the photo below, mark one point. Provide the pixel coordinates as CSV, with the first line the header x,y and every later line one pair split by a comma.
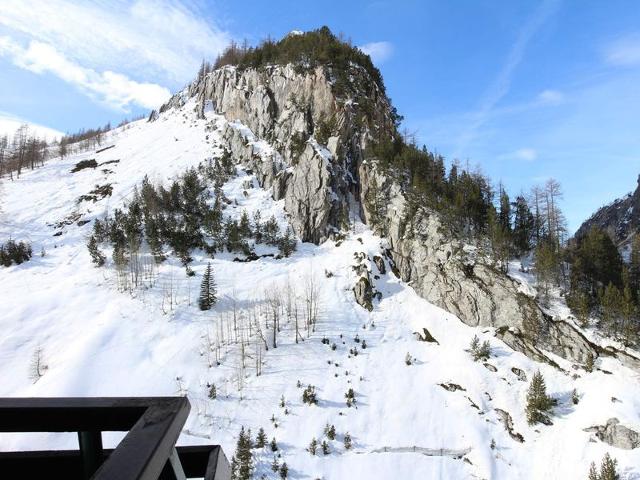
x,y
313,446
273,445
523,226
257,226
628,314
284,471
538,402
242,462
244,228
479,351
634,268
261,438
611,301
608,468
330,431
271,231
593,472
287,244
208,290
275,466
97,257
347,441
213,394
325,448
474,346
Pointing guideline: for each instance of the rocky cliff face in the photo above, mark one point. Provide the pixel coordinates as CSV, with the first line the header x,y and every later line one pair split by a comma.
x,y
461,279
308,144
620,219
305,140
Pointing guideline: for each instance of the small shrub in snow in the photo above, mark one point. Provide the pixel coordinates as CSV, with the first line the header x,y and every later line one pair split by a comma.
x,y
282,403
275,466
351,397
347,441
364,344
284,471
480,351
325,448
330,431
212,392
408,359
313,446
273,445
309,395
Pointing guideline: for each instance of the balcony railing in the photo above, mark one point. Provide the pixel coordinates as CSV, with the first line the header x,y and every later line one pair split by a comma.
x,y
147,452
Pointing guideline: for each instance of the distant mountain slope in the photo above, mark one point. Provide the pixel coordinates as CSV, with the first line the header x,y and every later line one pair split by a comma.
x,y
621,219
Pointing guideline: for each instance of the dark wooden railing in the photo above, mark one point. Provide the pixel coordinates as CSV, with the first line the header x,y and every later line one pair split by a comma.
x,y
147,452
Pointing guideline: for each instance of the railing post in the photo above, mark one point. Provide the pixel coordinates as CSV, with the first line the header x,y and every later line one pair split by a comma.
x,y
90,451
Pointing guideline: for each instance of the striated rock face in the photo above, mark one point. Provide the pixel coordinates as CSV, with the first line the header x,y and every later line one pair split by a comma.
x,y
303,139
460,279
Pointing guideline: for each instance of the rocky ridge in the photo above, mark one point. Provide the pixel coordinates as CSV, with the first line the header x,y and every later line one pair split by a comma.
x,y
308,144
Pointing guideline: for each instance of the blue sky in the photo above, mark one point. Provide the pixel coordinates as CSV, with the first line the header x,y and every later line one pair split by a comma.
x,y
525,89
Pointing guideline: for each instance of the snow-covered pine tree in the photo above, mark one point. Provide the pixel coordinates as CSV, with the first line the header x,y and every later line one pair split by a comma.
x,y
284,471
608,469
261,438
208,290
242,462
538,402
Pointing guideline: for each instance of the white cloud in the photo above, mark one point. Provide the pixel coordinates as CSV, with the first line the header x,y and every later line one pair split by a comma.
x,y
624,52
159,40
378,51
521,155
114,89
526,154
10,123
551,97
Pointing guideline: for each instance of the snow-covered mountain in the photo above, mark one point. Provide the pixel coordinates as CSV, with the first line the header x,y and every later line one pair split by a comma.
x,y
393,315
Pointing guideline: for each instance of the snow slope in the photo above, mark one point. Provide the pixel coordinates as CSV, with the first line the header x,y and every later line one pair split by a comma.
x,y
97,341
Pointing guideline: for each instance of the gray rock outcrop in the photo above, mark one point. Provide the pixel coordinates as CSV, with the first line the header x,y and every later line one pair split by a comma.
x,y
617,435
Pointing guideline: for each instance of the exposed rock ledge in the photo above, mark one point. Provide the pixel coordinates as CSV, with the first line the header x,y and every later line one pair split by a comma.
x,y
616,435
